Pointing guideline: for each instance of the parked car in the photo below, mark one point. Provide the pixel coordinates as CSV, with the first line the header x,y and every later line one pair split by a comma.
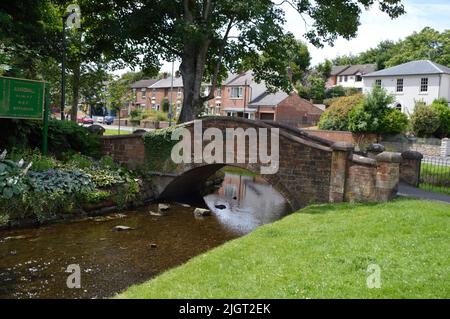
x,y
108,120
85,120
100,119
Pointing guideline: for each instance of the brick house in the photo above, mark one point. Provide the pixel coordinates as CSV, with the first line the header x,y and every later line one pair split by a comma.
x,y
162,91
239,95
139,94
289,109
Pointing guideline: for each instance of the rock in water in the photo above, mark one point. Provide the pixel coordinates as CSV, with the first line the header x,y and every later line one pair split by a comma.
x,y
155,214
123,228
200,212
163,207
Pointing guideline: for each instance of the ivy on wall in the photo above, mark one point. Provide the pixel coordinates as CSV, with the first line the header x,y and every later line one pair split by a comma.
x,y
158,149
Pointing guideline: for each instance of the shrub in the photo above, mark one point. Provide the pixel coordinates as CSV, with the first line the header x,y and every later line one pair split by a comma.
x,y
336,91
425,120
63,136
12,177
368,117
53,181
394,121
336,116
441,106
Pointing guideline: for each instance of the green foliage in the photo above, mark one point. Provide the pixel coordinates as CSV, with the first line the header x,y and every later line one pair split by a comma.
x,y
317,89
369,116
12,178
428,44
336,91
104,177
158,146
394,121
63,137
336,116
97,196
425,120
136,116
56,181
441,106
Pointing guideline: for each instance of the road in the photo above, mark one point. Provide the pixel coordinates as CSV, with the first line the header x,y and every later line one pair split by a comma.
x,y
122,128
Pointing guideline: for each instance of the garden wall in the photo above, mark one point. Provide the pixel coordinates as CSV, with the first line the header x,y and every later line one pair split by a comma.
x,y
342,136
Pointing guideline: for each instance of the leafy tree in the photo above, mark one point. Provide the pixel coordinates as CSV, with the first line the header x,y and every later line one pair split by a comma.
x,y
28,34
335,91
424,120
211,37
441,106
335,118
379,55
346,60
368,117
394,121
317,87
427,44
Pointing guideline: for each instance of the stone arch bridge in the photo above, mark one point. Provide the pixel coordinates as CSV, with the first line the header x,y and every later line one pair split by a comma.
x,y
311,169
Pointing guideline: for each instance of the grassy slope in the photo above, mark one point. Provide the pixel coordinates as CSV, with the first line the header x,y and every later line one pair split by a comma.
x,y
323,252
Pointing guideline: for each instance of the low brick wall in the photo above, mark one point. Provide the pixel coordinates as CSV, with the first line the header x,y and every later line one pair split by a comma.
x,y
342,136
373,180
126,149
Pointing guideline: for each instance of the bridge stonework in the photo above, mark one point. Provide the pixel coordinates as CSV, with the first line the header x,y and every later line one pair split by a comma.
x,y
311,169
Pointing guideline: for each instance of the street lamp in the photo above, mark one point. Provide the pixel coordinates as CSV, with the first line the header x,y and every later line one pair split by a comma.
x,y
63,65
171,95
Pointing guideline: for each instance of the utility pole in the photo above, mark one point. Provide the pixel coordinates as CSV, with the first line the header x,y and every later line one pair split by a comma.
x,y
171,95
63,66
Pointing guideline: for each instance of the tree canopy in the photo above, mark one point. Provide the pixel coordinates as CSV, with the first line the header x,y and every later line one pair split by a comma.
x,y
428,44
211,37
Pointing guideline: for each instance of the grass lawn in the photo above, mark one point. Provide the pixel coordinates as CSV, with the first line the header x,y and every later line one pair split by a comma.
x,y
324,251
435,178
116,132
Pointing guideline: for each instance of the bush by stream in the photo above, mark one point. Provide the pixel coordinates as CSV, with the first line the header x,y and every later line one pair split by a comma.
x,y
42,188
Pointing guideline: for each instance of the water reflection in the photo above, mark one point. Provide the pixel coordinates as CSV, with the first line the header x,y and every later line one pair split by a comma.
x,y
33,261
244,203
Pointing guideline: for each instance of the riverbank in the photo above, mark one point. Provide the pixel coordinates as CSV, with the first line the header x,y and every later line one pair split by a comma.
x,y
323,251
38,190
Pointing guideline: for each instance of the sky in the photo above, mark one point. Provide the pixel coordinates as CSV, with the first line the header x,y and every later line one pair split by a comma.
x,y
375,27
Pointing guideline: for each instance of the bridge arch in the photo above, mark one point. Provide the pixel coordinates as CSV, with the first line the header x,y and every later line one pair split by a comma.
x,y
311,169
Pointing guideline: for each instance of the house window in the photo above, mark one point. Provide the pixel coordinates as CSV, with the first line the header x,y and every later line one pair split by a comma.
x,y
180,92
144,93
345,78
399,85
378,83
424,85
398,107
236,93
339,78
358,78
154,93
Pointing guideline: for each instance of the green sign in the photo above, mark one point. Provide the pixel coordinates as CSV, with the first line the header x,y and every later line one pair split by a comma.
x,y
21,99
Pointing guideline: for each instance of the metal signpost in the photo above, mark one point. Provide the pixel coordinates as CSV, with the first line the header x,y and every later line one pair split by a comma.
x,y
25,99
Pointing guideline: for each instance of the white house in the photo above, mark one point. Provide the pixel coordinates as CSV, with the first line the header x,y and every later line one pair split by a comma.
x,y
349,76
412,82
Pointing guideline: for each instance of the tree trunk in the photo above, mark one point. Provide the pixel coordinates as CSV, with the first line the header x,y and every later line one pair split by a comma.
x,y
75,92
